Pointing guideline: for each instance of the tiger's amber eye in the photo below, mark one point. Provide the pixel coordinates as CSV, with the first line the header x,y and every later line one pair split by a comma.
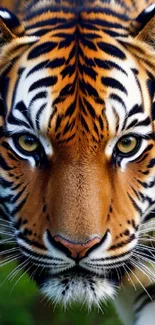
x,y
127,144
28,143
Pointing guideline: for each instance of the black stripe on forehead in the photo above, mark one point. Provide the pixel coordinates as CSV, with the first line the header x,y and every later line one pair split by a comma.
x,y
44,82
76,6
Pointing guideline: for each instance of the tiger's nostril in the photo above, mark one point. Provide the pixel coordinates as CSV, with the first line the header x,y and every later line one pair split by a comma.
x,y
77,250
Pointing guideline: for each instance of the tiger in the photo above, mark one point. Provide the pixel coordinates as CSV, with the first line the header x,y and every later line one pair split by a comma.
x,y
77,149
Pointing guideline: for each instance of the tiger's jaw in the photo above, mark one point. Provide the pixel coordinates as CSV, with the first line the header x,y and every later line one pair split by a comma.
x,y
89,280
78,286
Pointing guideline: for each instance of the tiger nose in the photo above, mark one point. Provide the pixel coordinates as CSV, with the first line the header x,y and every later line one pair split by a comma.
x,y
77,250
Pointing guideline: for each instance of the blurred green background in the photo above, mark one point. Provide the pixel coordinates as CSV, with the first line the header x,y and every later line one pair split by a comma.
x,y
21,304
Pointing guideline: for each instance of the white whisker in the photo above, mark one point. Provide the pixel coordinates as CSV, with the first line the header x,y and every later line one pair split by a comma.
x,y
21,275
10,259
130,270
147,230
7,227
6,221
18,269
7,241
129,277
142,268
6,251
6,233
145,247
147,238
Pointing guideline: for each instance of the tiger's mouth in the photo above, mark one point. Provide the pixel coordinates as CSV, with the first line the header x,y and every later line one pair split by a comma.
x,y
78,285
64,279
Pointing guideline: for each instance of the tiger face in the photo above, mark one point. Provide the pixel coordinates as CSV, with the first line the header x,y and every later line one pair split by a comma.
x,y
77,149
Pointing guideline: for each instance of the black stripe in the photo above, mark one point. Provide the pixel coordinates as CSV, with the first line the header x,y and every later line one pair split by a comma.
x,y
146,185
87,88
90,108
44,82
41,49
121,244
19,73
13,120
112,50
113,83
19,206
84,124
136,109
71,109
118,99
39,95
66,42
38,115
23,109
43,23
145,122
105,23
135,204
16,197
108,65
56,63
5,183
38,67
4,165
17,186
151,163
68,70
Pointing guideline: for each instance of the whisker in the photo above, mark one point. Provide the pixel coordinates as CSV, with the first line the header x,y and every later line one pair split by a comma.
x,y
145,257
6,233
10,259
130,270
34,272
21,276
141,267
7,241
6,226
9,250
145,247
147,238
8,276
6,221
147,270
18,269
130,279
147,230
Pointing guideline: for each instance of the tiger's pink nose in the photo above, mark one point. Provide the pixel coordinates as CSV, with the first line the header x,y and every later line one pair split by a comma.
x,y
77,250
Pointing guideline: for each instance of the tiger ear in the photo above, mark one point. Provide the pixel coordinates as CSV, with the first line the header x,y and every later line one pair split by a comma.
x,y
143,27
12,38
10,26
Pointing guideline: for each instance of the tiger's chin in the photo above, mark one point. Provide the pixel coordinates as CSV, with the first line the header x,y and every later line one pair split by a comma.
x,y
85,289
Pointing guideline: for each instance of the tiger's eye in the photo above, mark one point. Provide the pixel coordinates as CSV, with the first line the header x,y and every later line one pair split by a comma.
x,y
28,143
127,144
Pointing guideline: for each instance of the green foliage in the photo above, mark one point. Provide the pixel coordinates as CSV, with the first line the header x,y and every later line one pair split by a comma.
x,y
20,305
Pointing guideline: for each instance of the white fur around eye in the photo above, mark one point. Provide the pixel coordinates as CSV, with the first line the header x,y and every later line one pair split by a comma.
x,y
4,14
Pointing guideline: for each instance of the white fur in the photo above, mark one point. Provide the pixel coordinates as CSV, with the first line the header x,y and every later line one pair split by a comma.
x,y
77,291
4,14
150,8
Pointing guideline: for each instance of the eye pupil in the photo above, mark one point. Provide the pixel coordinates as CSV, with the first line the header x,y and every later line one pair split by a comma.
x,y
126,142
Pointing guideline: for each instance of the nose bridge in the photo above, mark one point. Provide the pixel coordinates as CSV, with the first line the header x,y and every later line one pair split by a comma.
x,y
78,200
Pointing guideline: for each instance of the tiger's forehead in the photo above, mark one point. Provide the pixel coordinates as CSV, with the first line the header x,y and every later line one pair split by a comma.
x,y
80,83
